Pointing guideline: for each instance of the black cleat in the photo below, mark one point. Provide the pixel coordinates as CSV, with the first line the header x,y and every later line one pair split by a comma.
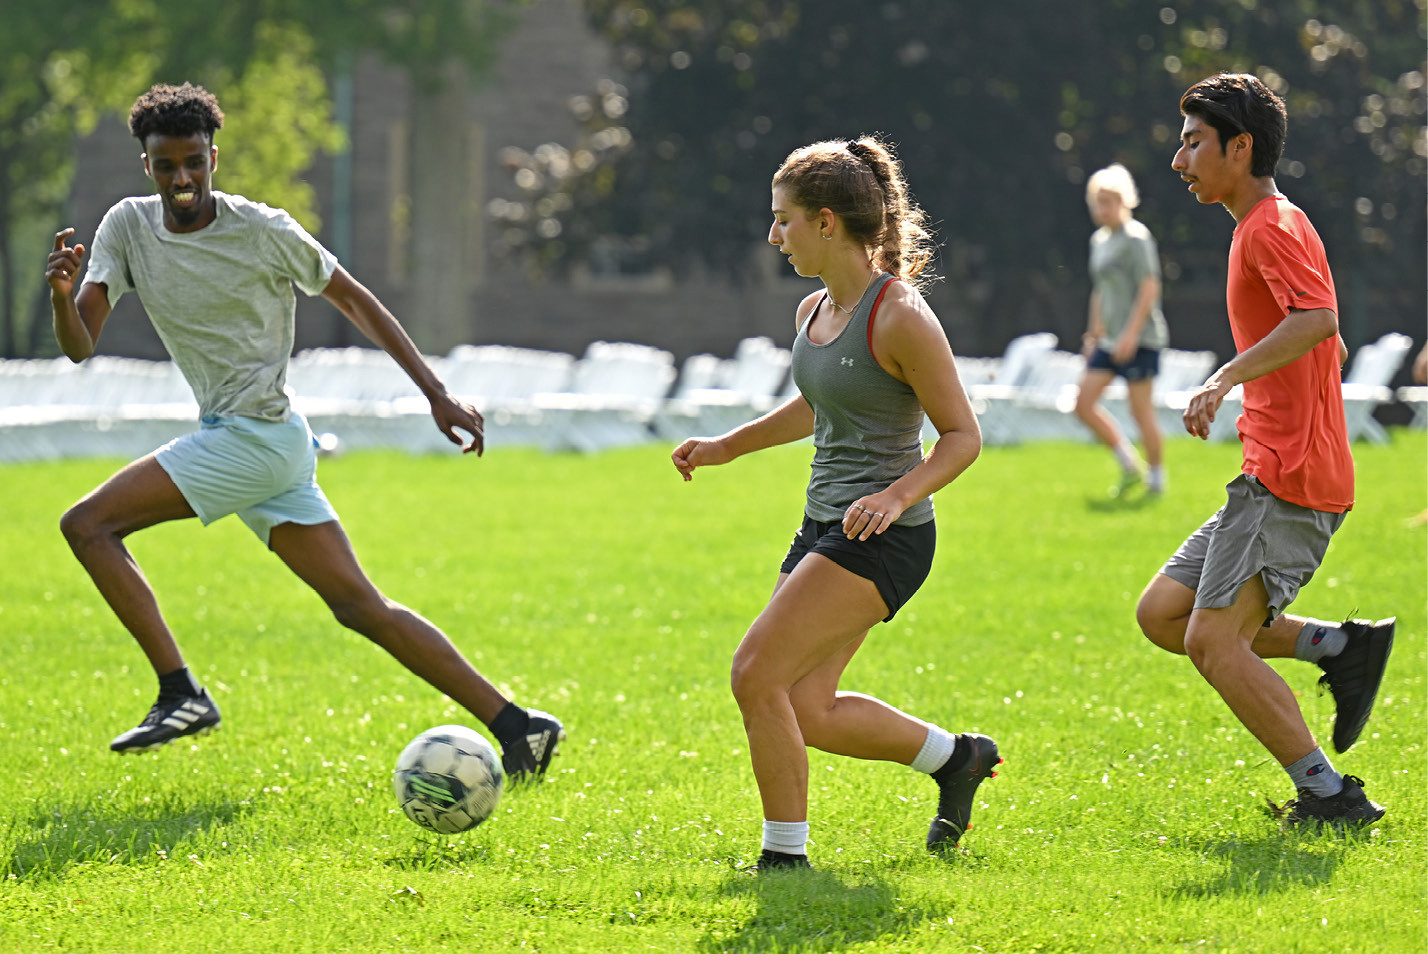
x,y
527,758
770,860
1353,676
170,719
958,786
1350,808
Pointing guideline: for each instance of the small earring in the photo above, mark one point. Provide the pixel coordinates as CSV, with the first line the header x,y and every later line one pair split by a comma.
x,y
827,238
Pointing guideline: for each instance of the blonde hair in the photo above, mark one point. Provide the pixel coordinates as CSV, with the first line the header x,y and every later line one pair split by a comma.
x,y
1114,178
861,182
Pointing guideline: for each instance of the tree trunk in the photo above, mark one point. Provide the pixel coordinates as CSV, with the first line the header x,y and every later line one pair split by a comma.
x,y
438,316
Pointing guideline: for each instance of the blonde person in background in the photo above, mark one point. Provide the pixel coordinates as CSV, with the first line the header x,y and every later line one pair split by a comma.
x,y
1125,328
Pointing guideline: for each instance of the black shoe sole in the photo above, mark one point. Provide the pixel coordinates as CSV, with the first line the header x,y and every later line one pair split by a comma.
x,y
155,746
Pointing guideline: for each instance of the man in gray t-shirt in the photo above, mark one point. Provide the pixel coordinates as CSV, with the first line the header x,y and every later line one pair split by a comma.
x,y
216,274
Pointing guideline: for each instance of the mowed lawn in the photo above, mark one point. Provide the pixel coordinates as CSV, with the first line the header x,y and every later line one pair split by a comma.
x,y
1129,816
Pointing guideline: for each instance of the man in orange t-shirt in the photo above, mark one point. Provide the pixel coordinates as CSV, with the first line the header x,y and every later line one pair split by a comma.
x,y
1221,598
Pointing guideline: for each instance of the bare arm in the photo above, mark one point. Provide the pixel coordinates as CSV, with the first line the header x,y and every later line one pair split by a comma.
x,y
790,421
1290,340
77,321
1094,328
1129,340
910,344
381,327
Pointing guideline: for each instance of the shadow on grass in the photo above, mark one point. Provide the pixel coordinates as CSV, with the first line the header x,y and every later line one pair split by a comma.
x,y
1123,503
432,853
1268,865
812,911
50,842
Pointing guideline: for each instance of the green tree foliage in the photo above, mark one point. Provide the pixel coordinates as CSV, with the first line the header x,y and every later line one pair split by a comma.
x,y
61,67
1001,111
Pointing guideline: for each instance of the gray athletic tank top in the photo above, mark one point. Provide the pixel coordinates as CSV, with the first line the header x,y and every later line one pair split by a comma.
x,y
867,425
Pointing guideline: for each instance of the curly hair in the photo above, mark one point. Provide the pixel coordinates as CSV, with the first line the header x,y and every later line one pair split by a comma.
x,y
861,182
185,110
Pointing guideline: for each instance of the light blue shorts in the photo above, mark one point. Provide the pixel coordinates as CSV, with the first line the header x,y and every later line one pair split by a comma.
x,y
264,471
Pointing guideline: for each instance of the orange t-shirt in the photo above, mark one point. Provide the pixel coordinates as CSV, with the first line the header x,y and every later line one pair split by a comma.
x,y
1292,428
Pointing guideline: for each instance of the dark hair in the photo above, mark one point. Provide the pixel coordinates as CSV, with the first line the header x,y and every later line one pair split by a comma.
x,y
175,111
861,182
1235,103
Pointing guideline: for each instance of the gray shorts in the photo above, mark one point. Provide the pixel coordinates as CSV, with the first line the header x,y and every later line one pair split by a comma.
x,y
264,471
1253,533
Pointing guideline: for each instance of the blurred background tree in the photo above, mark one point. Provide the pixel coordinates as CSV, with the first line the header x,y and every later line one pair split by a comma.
x,y
1000,112
269,62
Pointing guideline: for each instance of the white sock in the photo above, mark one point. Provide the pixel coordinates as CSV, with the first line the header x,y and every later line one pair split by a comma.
x,y
1155,477
1125,453
936,750
791,838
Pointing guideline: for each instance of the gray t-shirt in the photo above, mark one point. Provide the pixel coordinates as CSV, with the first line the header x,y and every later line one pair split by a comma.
x,y
867,425
221,298
1120,260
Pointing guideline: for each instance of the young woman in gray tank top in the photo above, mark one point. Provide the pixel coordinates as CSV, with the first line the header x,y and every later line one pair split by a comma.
x,y
870,360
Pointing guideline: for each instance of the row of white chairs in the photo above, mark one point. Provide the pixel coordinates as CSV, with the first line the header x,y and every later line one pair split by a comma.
x,y
615,394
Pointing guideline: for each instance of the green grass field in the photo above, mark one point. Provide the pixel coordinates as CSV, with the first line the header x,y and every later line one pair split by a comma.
x,y
1128,816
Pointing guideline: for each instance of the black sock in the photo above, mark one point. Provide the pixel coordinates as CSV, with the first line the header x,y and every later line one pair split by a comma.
x,y
510,724
178,684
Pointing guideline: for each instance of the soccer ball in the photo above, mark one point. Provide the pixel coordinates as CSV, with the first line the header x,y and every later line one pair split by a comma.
x,y
448,779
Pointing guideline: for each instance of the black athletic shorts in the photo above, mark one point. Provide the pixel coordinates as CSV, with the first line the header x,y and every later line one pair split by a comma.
x,y
896,560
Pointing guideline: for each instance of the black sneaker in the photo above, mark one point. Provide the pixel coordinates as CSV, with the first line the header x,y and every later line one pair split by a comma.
x,y
170,719
527,758
958,786
770,860
1353,676
1350,808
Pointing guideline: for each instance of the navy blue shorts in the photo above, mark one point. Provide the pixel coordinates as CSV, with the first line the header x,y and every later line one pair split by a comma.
x,y
1143,366
896,560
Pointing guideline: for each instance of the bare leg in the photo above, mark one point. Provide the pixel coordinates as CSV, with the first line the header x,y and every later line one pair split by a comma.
x,y
1143,410
1218,642
322,558
140,495
1164,614
1092,414
816,620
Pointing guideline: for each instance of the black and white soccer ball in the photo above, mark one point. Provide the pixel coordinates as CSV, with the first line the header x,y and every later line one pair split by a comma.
x,y
449,779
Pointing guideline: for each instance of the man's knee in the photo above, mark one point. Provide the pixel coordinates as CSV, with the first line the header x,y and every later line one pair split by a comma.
x,y
367,613
1166,632
78,525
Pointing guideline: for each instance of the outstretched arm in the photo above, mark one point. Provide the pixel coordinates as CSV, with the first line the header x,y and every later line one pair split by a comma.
x,y
790,421
78,322
372,318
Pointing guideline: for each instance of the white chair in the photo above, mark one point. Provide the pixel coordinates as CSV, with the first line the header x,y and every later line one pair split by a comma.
x,y
995,401
746,386
1365,387
1416,397
614,391
502,382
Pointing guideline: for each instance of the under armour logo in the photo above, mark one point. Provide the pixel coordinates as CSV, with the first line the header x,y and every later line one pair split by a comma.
x,y
847,362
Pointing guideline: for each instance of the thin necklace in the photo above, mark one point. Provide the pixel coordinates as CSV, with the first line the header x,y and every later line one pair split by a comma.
x,y
849,311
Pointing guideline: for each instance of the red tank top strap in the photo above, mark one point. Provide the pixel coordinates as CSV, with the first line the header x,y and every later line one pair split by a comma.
x,y
874,314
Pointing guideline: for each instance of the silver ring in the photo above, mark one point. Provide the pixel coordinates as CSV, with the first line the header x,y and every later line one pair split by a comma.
x,y
877,515
861,507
